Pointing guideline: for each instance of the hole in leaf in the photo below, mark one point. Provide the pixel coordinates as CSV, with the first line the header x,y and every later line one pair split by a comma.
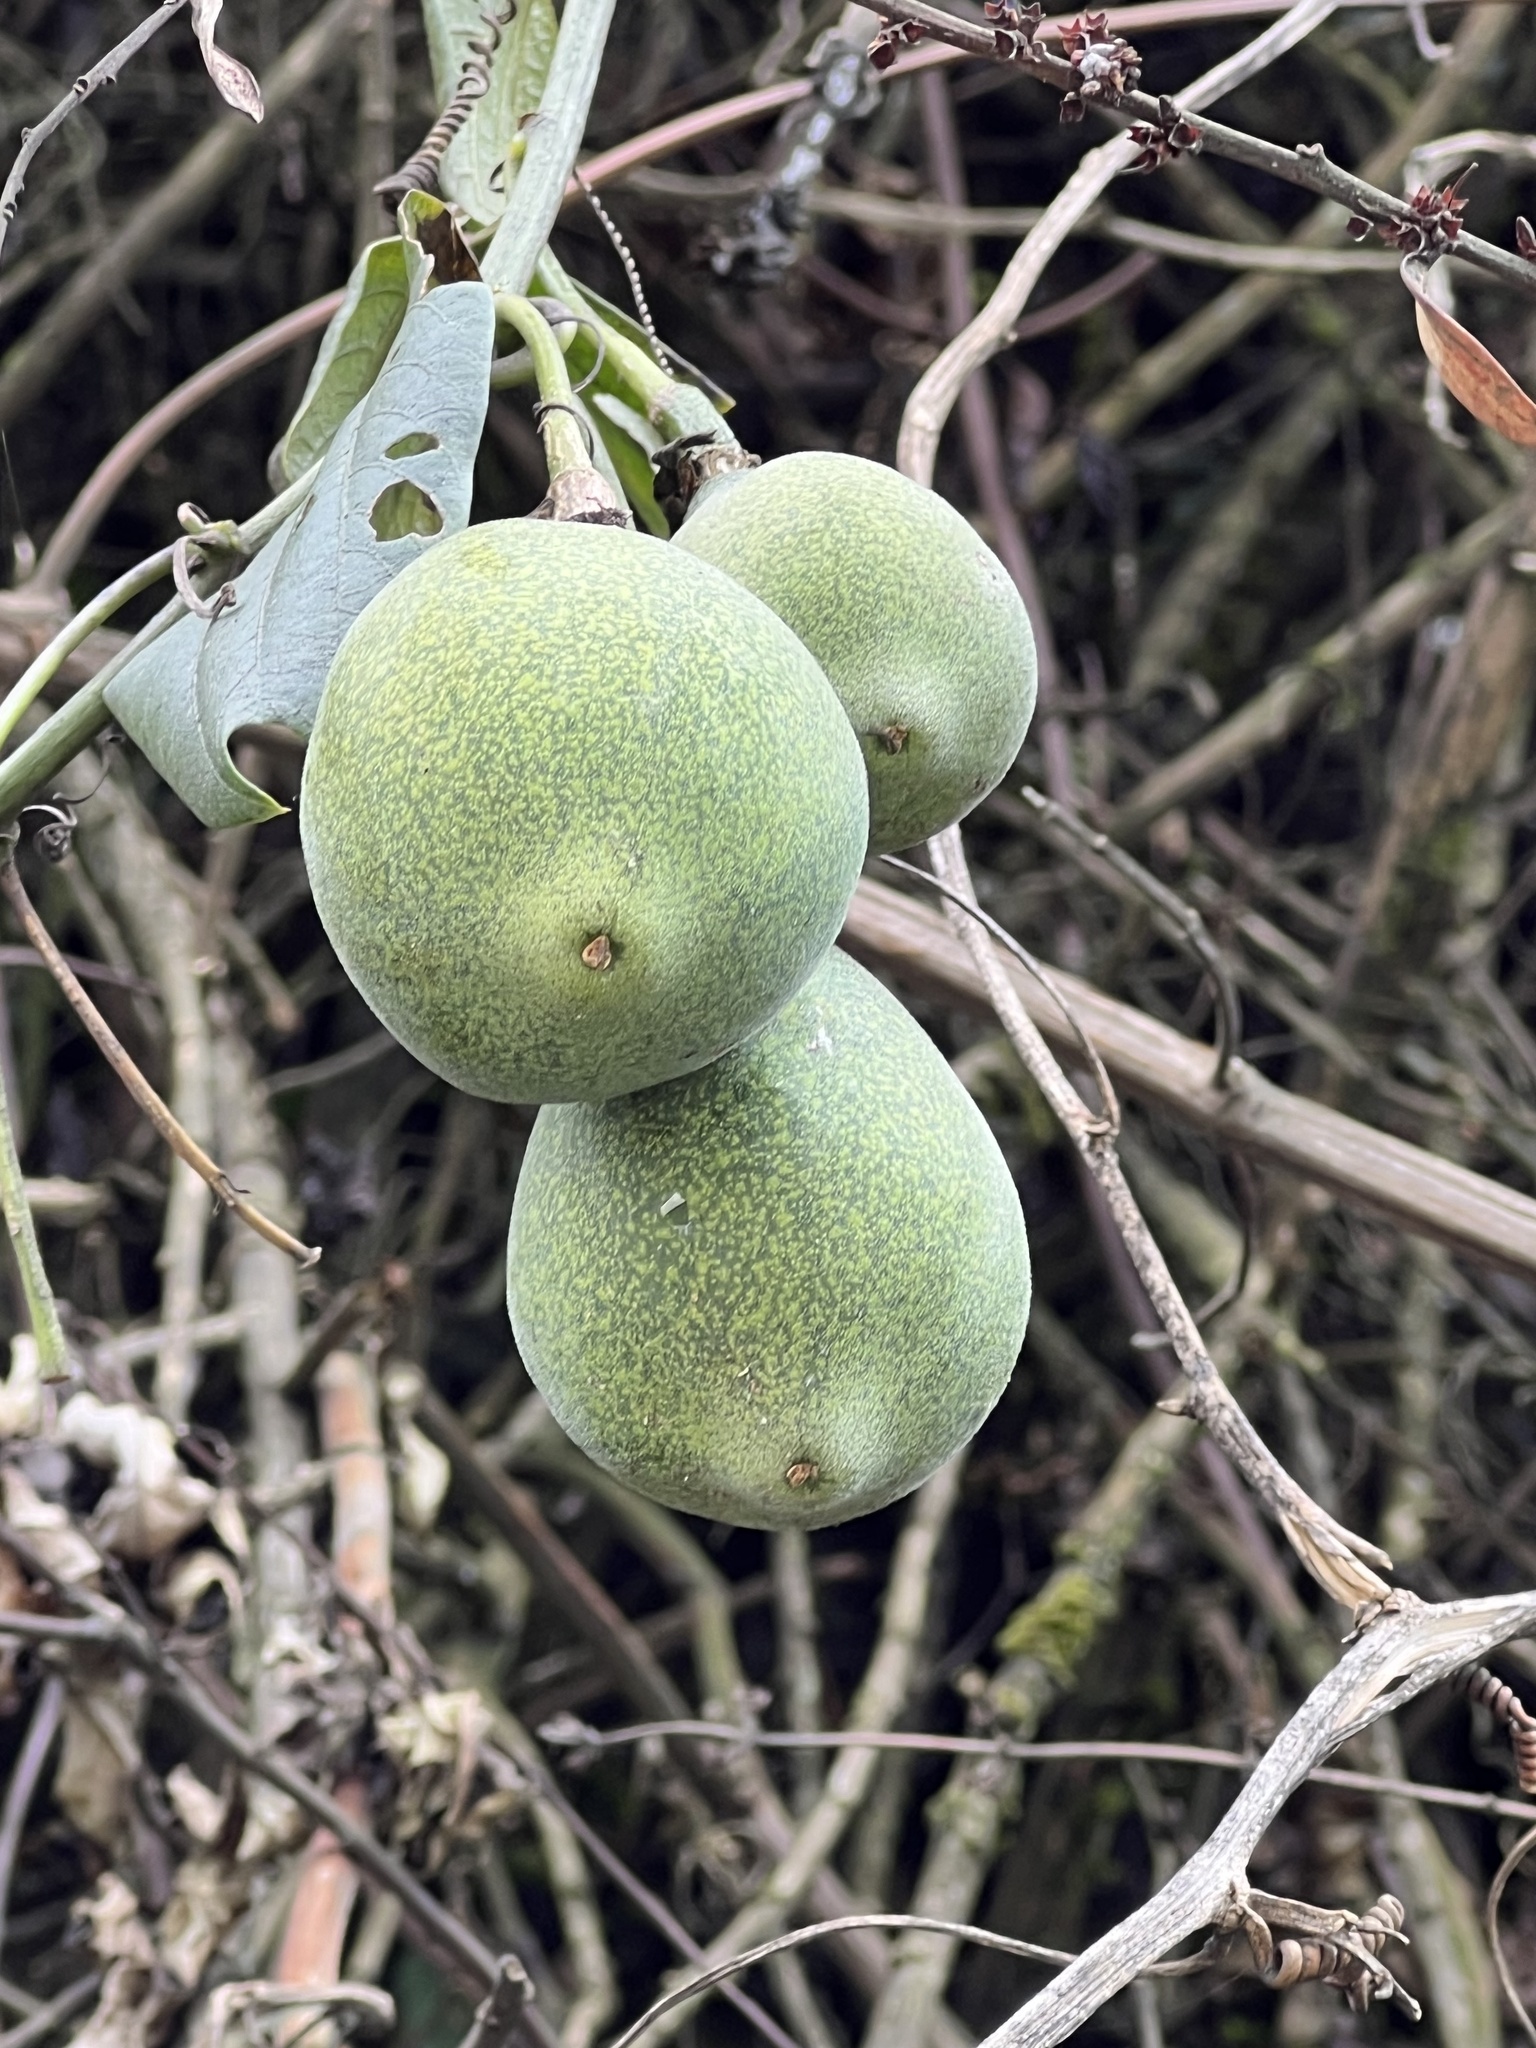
x,y
402,509
411,444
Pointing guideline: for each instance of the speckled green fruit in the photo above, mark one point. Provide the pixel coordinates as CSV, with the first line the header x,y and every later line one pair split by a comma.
x,y
781,1291
579,811
916,622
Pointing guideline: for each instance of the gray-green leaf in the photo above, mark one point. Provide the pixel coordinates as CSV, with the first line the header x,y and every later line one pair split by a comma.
x,y
352,351
474,172
397,476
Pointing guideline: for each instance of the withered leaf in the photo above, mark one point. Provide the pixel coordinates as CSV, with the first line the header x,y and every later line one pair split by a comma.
x,y
1470,373
235,84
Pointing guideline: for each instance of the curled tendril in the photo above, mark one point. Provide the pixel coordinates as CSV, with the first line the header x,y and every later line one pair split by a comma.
x,y
419,172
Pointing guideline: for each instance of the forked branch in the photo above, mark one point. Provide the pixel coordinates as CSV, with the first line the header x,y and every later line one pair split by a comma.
x,y
1408,1648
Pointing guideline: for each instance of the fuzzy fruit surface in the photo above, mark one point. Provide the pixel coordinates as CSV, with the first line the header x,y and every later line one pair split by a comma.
x,y
916,622
782,1291
579,812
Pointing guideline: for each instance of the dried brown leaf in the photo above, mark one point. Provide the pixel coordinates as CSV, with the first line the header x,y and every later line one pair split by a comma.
x,y
21,1395
192,1576
125,2015
118,1935
202,1811
93,1783
236,85
1469,372
154,1500
207,1896
48,1528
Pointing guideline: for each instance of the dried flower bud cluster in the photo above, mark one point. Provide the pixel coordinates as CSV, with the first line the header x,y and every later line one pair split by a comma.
x,y
1434,223
1015,26
882,51
1172,134
1104,65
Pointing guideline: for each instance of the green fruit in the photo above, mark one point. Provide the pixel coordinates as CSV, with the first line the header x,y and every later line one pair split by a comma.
x,y
579,812
914,619
781,1291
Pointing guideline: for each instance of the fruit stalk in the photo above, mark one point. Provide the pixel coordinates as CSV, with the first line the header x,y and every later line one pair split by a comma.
x,y
577,489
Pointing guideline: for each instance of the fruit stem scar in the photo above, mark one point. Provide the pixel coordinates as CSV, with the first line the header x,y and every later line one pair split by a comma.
x,y
891,737
597,953
802,1474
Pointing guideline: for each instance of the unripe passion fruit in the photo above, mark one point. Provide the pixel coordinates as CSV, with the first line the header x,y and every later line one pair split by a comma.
x,y
916,622
579,811
783,1290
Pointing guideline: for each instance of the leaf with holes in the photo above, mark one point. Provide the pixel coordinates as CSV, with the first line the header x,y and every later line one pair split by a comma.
x,y
473,173
352,352
396,477
1479,380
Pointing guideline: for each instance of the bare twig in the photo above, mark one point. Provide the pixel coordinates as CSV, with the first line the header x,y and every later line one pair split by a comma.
x,y
180,1143
782,1943
941,383
1178,918
703,123
474,1964
1294,692
1407,1648
58,2012
1365,1167
361,1522
567,1732
515,1513
875,1705
103,72
1107,1121
47,1714
926,219
151,223
1517,1854
524,1751
71,536
1306,167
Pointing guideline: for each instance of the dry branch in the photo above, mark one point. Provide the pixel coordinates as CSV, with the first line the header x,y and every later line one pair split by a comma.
x,y
181,1143
1407,1649
1365,1167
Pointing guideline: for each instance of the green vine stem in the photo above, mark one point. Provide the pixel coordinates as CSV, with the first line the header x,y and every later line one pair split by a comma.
x,y
47,1330
577,488
553,138
678,410
25,691
55,743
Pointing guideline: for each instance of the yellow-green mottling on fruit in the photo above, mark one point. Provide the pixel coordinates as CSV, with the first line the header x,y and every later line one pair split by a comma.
x,y
579,812
782,1291
916,622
